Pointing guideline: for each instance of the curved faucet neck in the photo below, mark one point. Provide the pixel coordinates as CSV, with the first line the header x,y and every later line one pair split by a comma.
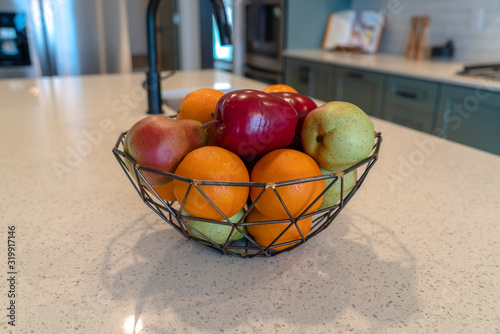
x,y
153,79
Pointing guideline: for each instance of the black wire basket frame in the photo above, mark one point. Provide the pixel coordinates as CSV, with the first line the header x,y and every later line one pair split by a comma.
x,y
172,212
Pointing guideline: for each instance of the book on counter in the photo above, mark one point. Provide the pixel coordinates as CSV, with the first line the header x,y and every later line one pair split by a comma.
x,y
354,30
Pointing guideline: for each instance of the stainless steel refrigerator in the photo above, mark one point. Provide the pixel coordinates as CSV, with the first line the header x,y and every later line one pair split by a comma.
x,y
65,37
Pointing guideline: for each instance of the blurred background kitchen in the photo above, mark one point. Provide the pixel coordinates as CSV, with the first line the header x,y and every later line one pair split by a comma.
x,y
419,77
71,37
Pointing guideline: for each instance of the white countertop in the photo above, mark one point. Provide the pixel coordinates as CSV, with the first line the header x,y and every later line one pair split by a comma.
x,y
416,251
440,71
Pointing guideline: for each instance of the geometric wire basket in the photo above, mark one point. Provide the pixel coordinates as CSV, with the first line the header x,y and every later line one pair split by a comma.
x,y
246,246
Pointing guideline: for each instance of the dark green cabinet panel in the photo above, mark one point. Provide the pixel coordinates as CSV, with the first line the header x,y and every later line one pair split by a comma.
x,y
471,117
465,115
311,79
411,103
362,88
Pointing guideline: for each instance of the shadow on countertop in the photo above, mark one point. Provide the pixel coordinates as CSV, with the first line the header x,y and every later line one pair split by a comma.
x,y
356,276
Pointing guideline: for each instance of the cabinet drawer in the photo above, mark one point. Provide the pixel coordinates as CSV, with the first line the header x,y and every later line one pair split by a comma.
x,y
297,75
414,94
470,116
410,118
311,79
362,88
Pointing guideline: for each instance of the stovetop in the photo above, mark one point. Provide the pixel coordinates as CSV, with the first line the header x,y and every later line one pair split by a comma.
x,y
486,71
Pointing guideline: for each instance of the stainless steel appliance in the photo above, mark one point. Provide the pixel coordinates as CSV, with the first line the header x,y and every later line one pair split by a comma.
x,y
264,35
14,49
15,57
486,71
67,37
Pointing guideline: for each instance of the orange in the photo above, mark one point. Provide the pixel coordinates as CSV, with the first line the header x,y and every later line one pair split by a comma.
x,y
265,234
212,163
286,165
200,105
279,88
166,191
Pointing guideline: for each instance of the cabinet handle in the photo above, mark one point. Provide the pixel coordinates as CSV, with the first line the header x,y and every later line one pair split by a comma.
x,y
355,75
408,95
304,74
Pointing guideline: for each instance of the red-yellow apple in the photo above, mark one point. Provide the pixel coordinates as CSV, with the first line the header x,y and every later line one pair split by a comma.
x,y
161,143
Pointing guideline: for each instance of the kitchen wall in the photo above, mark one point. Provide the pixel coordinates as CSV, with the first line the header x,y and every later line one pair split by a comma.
x,y
474,26
306,21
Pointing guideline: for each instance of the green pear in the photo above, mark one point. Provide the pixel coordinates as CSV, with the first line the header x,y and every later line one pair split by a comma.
x,y
217,232
337,135
332,195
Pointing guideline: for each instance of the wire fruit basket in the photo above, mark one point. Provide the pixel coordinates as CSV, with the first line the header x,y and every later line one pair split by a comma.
x,y
246,246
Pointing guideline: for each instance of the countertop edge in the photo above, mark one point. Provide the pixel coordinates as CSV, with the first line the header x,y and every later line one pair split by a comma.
x,y
340,59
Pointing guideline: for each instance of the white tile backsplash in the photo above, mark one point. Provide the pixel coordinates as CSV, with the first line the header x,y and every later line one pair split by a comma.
x,y
473,25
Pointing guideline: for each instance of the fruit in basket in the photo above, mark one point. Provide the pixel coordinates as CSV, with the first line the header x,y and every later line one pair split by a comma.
x,y
160,142
264,234
303,105
332,195
200,105
337,135
251,123
279,88
212,163
166,192
218,233
286,165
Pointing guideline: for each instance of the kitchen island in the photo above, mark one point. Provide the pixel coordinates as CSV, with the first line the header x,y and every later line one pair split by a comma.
x,y
417,250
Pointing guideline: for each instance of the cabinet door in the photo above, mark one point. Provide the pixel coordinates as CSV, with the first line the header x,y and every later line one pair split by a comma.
x,y
364,89
311,79
297,75
471,117
409,117
411,103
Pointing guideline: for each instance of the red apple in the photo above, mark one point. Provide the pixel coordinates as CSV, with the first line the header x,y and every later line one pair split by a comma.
x,y
303,105
251,123
161,143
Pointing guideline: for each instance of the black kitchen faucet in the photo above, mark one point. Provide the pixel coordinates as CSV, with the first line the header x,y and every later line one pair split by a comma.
x,y
153,79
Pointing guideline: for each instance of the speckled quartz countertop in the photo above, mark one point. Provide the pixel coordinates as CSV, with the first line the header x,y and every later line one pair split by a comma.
x,y
426,69
417,250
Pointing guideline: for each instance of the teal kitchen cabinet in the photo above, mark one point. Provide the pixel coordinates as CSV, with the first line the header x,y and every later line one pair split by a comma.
x,y
328,83
362,88
411,103
470,116
463,114
310,78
